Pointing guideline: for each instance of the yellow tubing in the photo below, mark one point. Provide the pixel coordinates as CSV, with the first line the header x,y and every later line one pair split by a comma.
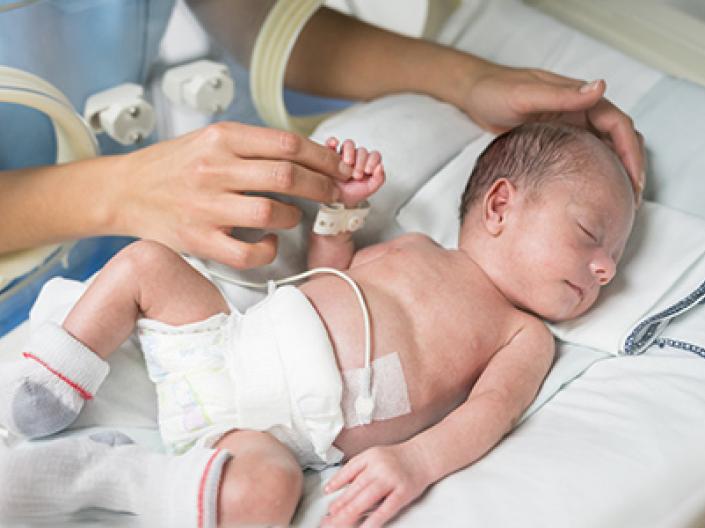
x,y
74,141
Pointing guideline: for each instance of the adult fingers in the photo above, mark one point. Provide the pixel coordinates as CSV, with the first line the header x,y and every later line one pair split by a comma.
x,y
533,97
609,120
236,210
347,151
282,177
223,248
267,143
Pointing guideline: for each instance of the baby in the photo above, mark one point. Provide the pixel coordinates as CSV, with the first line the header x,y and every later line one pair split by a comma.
x,y
458,345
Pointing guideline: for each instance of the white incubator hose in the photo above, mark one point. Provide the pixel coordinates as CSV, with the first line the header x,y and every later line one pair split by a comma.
x,y
275,42
270,55
364,404
74,141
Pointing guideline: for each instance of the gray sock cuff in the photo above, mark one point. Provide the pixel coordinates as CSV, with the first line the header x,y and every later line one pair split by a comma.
x,y
67,358
208,490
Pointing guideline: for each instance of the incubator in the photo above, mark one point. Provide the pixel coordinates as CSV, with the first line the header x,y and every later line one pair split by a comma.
x,y
91,81
94,78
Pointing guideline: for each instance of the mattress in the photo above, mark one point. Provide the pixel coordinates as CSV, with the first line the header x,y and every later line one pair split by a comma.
x,y
616,440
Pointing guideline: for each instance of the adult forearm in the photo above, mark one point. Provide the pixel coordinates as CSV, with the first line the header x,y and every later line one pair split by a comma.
x,y
339,56
48,204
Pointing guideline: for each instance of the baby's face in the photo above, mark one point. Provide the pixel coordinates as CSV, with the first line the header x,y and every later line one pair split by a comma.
x,y
567,244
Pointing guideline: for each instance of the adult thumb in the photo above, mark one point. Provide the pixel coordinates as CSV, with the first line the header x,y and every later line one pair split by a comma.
x,y
571,97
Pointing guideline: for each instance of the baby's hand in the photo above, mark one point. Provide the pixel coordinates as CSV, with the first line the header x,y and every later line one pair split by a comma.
x,y
368,172
381,481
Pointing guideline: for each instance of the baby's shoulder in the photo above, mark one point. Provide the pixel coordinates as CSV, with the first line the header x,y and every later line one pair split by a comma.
x,y
533,329
414,239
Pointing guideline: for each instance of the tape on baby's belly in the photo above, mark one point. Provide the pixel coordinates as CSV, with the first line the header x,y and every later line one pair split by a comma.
x,y
389,391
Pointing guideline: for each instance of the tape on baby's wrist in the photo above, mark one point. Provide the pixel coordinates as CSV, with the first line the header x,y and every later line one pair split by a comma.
x,y
335,218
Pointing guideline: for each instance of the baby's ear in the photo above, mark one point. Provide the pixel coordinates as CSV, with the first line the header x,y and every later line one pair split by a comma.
x,y
496,204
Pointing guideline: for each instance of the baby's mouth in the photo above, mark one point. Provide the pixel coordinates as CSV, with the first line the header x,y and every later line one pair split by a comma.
x,y
577,289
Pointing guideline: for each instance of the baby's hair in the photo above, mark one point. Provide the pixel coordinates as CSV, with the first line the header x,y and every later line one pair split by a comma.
x,y
528,156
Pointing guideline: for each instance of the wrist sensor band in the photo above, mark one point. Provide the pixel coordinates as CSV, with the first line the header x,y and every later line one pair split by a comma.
x,y
335,218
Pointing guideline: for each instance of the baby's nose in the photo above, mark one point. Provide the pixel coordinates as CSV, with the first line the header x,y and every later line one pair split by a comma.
x,y
603,269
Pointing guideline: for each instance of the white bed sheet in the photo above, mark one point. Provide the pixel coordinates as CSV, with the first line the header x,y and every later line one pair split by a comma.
x,y
621,445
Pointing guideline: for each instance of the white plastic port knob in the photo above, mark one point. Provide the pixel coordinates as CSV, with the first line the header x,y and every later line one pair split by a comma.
x,y
204,86
121,112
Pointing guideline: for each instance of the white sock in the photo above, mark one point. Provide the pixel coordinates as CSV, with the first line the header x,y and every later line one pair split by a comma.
x,y
64,476
43,392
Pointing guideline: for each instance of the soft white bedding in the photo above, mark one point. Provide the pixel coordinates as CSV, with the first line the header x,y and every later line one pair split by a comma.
x,y
621,444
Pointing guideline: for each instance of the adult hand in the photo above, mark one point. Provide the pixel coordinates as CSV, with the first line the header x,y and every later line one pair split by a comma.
x,y
502,97
189,192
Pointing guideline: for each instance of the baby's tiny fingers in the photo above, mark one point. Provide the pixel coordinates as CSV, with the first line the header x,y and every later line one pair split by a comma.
x,y
352,491
332,142
360,163
345,474
374,159
377,178
385,511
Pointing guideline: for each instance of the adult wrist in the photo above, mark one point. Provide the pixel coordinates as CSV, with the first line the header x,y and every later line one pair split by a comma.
x,y
462,71
104,183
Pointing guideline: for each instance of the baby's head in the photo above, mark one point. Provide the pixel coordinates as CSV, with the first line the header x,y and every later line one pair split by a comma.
x,y
546,214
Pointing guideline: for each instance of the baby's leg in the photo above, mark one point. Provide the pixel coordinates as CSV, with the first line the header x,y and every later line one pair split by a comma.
x,y
43,480
44,392
261,484
146,279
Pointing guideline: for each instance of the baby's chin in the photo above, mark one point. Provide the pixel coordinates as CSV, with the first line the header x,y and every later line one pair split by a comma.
x,y
557,314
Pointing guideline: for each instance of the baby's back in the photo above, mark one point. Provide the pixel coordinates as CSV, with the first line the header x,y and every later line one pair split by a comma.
x,y
432,307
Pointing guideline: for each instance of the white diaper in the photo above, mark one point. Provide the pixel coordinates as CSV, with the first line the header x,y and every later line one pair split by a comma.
x,y
272,369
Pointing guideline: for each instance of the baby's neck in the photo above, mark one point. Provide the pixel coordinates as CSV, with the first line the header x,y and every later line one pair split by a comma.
x,y
483,256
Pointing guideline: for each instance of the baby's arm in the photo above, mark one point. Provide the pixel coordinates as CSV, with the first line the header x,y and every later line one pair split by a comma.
x,y
337,251
395,475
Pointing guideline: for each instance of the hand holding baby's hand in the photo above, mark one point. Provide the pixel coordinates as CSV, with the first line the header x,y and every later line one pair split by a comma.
x,y
368,171
382,480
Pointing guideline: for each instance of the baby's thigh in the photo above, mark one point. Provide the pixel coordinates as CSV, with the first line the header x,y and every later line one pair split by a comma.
x,y
170,290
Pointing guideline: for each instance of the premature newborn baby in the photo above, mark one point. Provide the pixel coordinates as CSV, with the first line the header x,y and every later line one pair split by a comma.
x,y
459,348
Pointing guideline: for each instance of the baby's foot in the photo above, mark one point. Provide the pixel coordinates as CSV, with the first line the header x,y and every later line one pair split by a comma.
x,y
43,392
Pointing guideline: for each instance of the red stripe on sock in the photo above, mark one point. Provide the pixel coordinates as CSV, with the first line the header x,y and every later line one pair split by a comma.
x,y
202,487
75,386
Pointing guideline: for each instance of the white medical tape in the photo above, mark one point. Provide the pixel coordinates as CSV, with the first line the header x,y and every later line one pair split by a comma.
x,y
389,390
